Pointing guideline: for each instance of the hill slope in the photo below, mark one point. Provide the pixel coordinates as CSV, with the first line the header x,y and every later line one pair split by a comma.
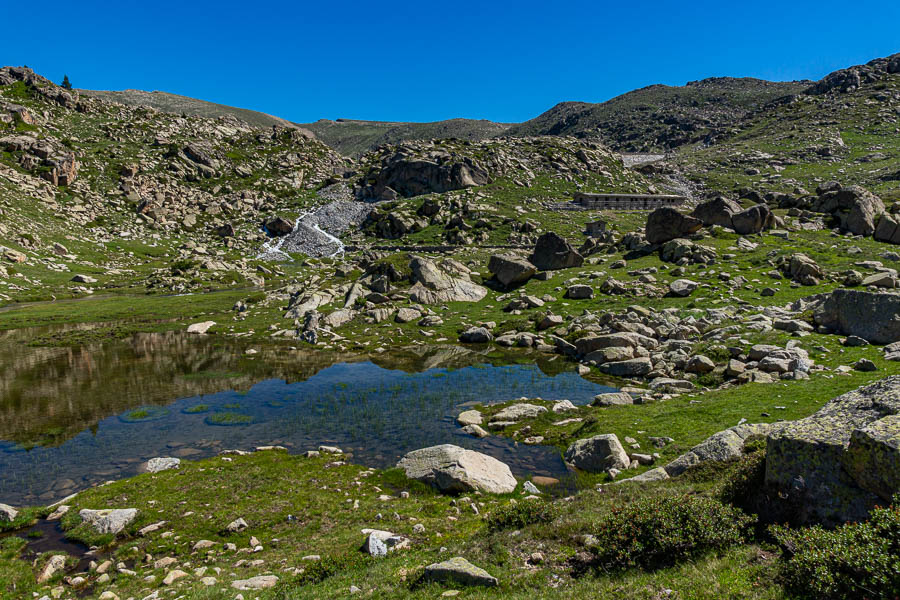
x,y
660,117
845,127
175,104
351,137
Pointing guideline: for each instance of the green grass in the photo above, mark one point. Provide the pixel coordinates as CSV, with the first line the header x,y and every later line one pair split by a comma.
x,y
198,500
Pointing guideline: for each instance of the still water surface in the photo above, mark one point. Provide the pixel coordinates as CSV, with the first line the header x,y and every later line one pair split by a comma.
x,y
74,417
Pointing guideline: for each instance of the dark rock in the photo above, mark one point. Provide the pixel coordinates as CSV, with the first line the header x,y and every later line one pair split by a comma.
x,y
753,220
553,252
666,224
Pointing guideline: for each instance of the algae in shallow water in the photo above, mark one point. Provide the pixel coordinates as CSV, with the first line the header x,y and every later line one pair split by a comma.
x,y
144,414
228,418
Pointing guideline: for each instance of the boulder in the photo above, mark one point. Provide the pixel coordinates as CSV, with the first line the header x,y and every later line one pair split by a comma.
x,y
700,364
717,211
201,327
279,226
517,412
634,367
459,571
665,224
7,513
510,269
434,286
476,335
155,465
753,220
378,543
719,447
872,316
855,207
456,470
804,270
598,454
470,417
683,287
591,343
888,230
613,399
260,582
553,252
579,292
108,520
657,474
843,460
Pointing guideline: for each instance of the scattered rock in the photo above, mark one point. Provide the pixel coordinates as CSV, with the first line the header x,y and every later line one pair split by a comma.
x,y
454,469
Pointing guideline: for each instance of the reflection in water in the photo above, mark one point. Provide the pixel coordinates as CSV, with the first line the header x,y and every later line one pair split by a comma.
x,y
99,412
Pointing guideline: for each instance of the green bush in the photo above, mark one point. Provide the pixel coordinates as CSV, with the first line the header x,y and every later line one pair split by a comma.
x,y
658,532
857,560
520,514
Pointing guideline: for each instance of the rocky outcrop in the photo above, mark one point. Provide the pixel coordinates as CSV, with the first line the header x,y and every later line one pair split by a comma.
x,y
666,224
875,317
849,79
553,252
455,470
842,461
411,173
432,285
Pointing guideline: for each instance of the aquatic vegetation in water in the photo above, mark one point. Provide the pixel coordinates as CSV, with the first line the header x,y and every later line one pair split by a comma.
x,y
228,418
199,408
144,414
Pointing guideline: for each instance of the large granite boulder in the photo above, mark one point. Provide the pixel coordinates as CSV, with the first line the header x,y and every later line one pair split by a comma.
x,y
753,220
717,211
855,207
510,269
457,470
666,224
598,454
845,459
432,285
553,252
875,317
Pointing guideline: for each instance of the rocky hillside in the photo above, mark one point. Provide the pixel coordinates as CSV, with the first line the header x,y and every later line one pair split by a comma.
x,y
844,127
79,175
350,137
660,118
183,105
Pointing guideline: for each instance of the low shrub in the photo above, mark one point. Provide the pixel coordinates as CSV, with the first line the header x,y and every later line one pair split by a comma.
x,y
857,560
520,514
659,532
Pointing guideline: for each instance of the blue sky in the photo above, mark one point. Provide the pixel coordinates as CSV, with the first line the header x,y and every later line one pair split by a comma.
x,y
425,61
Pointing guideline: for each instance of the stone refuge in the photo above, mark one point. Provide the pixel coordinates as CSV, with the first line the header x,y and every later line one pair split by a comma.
x,y
627,201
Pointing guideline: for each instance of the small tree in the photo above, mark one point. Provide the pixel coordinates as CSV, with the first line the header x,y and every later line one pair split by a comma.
x,y
66,83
